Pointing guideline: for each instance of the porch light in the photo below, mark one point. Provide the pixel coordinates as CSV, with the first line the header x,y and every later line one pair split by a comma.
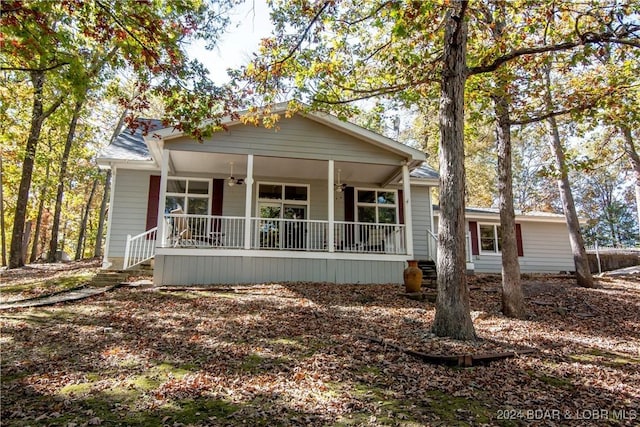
x,y
231,181
340,186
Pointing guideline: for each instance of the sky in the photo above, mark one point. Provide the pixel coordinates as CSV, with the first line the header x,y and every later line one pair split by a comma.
x,y
249,23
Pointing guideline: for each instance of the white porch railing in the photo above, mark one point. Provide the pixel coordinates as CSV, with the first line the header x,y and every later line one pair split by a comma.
x,y
370,238
207,231
289,234
139,248
204,231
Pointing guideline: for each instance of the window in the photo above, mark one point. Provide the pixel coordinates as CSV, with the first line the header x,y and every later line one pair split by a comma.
x,y
490,237
192,195
275,203
377,206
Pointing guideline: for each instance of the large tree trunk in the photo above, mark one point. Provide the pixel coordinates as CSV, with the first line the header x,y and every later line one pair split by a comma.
x,y
62,175
512,296
453,315
83,223
3,236
630,149
103,213
580,260
38,116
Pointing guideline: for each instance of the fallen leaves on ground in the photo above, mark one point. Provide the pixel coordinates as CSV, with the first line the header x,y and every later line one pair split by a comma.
x,y
36,280
293,354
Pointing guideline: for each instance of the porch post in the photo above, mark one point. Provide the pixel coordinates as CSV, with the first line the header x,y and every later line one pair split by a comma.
x,y
164,173
331,203
107,243
408,221
247,202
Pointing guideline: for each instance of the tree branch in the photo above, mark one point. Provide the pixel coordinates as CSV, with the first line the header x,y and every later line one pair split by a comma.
x,y
293,50
364,18
585,39
28,70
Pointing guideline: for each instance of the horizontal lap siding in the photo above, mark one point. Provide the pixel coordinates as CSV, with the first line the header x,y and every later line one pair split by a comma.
x,y
546,250
420,202
129,211
294,138
203,270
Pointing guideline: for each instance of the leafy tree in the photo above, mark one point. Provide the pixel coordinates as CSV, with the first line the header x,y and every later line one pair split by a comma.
x,y
333,53
65,47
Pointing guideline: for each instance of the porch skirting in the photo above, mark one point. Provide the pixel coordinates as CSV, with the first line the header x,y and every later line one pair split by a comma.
x,y
211,270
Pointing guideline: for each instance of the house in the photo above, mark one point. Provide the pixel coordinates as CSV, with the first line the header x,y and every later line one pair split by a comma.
x,y
315,199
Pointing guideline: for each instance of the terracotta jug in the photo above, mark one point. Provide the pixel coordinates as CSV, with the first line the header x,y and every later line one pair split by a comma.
x,y
412,277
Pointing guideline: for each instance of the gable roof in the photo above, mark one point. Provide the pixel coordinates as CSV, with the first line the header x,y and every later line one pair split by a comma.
x,y
134,146
130,146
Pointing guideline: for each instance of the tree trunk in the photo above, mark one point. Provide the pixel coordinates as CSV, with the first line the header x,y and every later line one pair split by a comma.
x,y
103,213
26,236
62,175
38,115
43,193
105,195
580,260
630,149
3,236
512,296
83,224
453,315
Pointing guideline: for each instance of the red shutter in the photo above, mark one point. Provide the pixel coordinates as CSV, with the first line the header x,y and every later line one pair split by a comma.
x,y
216,202
152,201
401,206
519,240
349,215
473,229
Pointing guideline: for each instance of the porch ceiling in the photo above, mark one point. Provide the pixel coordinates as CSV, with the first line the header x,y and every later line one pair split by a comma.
x,y
218,166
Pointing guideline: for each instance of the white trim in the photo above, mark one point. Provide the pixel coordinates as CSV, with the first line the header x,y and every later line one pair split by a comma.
x,y
331,206
282,201
247,202
112,197
496,239
408,218
279,254
188,195
164,175
375,204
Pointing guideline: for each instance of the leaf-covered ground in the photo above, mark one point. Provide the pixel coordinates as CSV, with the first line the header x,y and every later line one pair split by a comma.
x,y
294,354
36,280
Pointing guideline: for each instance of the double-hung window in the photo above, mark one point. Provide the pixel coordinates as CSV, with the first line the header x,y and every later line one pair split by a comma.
x,y
377,206
490,238
191,195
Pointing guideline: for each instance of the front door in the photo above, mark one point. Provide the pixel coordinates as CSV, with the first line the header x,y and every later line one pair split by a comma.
x,y
295,230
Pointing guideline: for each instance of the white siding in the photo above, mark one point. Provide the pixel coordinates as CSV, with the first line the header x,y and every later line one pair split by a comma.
x,y
295,138
204,270
129,211
546,249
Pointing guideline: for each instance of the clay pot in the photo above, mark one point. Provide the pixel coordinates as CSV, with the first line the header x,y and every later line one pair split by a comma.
x,y
412,277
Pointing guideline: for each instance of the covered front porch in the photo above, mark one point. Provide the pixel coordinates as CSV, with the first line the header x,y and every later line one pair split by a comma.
x,y
236,207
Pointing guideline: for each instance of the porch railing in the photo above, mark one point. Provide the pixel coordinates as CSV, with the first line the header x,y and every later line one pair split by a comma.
x,y
139,248
207,231
370,238
204,231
